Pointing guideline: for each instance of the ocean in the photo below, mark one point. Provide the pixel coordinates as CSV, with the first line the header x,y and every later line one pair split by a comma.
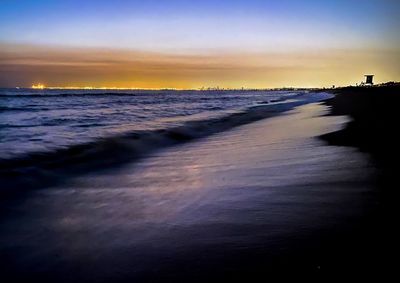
x,y
178,186
34,121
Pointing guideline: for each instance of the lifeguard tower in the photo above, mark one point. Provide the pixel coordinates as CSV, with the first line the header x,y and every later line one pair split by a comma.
x,y
368,80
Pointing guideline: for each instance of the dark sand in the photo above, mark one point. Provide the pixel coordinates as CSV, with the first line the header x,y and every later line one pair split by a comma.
x,y
262,202
374,129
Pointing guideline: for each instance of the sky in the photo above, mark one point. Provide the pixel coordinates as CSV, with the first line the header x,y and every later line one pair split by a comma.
x,y
193,44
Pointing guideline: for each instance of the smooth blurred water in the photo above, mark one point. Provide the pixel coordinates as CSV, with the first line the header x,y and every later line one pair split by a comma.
x,y
43,120
263,197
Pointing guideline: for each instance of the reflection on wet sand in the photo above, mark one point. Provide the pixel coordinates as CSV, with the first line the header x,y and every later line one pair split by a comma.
x,y
260,196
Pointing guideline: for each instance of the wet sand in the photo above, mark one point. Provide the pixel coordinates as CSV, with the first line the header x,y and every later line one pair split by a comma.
x,y
267,199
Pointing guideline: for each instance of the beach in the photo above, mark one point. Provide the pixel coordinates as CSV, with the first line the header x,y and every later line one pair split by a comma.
x,y
199,141
373,130
271,198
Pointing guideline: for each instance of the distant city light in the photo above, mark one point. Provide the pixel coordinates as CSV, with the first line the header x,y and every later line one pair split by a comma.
x,y
38,86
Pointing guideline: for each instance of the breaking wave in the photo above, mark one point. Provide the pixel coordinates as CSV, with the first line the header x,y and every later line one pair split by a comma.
x,y
40,169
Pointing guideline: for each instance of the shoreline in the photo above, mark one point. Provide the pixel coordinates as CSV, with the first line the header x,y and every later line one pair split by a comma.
x,y
373,130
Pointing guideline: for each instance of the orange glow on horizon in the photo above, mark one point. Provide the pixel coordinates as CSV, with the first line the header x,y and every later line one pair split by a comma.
x,y
90,68
41,86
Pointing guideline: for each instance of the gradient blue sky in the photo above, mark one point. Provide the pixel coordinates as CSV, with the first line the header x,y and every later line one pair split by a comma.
x,y
203,27
172,25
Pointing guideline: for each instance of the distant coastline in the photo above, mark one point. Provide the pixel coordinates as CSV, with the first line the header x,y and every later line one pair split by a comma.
x,y
41,86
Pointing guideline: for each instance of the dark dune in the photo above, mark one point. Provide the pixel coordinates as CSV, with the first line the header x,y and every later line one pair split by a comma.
x,y
374,111
374,129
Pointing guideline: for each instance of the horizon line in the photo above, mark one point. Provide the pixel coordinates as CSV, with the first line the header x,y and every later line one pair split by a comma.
x,y
161,88
43,87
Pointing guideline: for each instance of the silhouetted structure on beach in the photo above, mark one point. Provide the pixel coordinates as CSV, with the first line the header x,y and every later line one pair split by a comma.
x,y
368,79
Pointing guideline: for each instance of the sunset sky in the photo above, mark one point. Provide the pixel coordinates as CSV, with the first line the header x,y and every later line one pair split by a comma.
x,y
191,44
